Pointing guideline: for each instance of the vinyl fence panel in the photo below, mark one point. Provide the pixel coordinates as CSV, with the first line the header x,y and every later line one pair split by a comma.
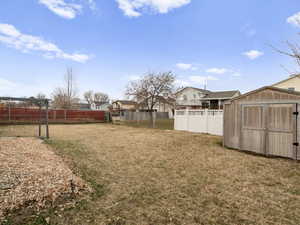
x,y
200,121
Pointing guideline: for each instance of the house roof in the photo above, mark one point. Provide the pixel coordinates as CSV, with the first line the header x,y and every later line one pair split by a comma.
x,y
265,88
162,99
291,77
198,89
100,103
221,94
126,102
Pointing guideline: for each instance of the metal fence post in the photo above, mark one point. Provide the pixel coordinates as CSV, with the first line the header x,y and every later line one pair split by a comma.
x,y
9,116
47,118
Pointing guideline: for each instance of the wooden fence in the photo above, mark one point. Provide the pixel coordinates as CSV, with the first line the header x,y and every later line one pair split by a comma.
x,y
138,116
200,121
19,115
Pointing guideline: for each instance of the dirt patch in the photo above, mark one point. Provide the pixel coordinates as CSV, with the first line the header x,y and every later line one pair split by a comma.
x,y
32,175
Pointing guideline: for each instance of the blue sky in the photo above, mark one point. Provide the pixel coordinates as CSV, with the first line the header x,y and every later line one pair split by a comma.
x,y
110,42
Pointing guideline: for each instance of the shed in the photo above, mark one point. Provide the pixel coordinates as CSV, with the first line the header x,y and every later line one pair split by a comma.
x,y
264,121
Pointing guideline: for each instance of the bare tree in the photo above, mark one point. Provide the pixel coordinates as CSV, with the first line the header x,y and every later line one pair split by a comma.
x,y
92,97
89,96
40,96
149,88
101,97
65,97
293,52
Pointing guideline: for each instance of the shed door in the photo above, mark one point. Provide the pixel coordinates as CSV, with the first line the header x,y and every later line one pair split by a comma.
x,y
270,129
253,130
282,124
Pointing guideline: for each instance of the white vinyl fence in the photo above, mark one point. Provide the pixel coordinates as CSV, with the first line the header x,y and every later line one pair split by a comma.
x,y
201,121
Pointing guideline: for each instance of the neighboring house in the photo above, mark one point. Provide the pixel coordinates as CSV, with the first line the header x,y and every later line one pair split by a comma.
x,y
123,105
19,104
163,104
196,98
81,106
102,106
292,83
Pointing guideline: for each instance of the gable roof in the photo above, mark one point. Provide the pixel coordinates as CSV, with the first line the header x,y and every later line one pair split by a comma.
x,y
289,78
198,89
222,94
100,103
126,102
160,99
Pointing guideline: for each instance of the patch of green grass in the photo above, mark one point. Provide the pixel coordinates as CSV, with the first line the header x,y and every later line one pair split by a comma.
x,y
162,124
36,220
79,154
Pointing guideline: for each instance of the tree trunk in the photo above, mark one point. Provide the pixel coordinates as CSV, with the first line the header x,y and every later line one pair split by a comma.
x,y
152,120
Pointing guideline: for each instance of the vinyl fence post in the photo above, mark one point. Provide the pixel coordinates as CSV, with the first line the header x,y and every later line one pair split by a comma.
x,y
206,119
186,113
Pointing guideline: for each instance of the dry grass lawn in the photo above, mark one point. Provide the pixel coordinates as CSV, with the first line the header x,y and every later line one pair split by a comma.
x,y
146,176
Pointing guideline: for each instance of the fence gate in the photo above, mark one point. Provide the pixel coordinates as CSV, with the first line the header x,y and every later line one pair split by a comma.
x,y
270,129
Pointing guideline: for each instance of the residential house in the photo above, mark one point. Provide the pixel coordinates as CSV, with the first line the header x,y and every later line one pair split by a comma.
x,y
163,104
196,98
292,83
102,106
81,106
123,105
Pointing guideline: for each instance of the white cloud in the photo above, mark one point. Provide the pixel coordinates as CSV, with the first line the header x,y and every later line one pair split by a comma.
x,y
253,54
10,36
186,66
202,79
217,70
183,66
133,8
294,20
61,8
181,83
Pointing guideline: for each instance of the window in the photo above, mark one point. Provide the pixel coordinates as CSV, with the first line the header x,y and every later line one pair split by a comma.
x,y
184,97
205,105
195,96
291,89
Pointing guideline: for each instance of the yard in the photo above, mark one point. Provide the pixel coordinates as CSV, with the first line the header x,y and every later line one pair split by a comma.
x,y
152,176
163,124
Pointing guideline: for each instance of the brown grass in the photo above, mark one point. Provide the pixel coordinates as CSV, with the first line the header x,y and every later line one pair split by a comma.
x,y
146,176
162,124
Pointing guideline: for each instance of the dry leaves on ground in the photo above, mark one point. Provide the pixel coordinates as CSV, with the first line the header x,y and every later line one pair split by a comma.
x,y
32,175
